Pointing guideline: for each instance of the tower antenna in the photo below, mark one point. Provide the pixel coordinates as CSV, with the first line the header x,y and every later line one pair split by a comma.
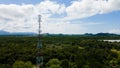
x,y
39,58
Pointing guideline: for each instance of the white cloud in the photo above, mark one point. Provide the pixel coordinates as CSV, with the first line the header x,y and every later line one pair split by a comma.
x,y
22,18
63,27
14,18
49,7
81,9
117,31
87,8
109,6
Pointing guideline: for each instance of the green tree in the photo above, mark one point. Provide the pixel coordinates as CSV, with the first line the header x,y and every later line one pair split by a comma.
x,y
21,64
53,63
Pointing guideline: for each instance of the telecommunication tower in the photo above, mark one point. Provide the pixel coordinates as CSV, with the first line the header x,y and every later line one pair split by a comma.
x,y
39,58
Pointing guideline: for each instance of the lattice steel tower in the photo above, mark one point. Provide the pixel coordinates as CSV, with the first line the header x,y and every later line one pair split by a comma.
x,y
39,58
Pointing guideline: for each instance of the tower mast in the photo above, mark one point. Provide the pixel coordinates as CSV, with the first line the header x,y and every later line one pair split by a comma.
x,y
39,58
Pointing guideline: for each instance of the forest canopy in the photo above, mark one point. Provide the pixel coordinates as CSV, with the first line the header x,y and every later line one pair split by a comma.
x,y
60,51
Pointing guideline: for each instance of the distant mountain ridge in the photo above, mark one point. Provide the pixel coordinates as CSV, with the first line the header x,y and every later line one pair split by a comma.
x,y
47,34
101,34
4,32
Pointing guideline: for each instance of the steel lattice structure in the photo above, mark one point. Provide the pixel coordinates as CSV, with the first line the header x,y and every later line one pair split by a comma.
x,y
39,58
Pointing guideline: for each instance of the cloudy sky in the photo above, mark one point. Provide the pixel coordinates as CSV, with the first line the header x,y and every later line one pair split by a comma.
x,y
60,16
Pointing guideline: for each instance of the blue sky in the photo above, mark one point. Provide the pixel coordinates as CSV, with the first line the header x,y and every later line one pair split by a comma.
x,y
20,1
66,2
60,16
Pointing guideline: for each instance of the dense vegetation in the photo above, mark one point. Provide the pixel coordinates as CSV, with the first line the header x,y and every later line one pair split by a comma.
x,y
60,51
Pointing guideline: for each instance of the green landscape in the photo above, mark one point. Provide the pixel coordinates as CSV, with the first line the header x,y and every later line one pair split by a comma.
x,y
60,51
59,33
